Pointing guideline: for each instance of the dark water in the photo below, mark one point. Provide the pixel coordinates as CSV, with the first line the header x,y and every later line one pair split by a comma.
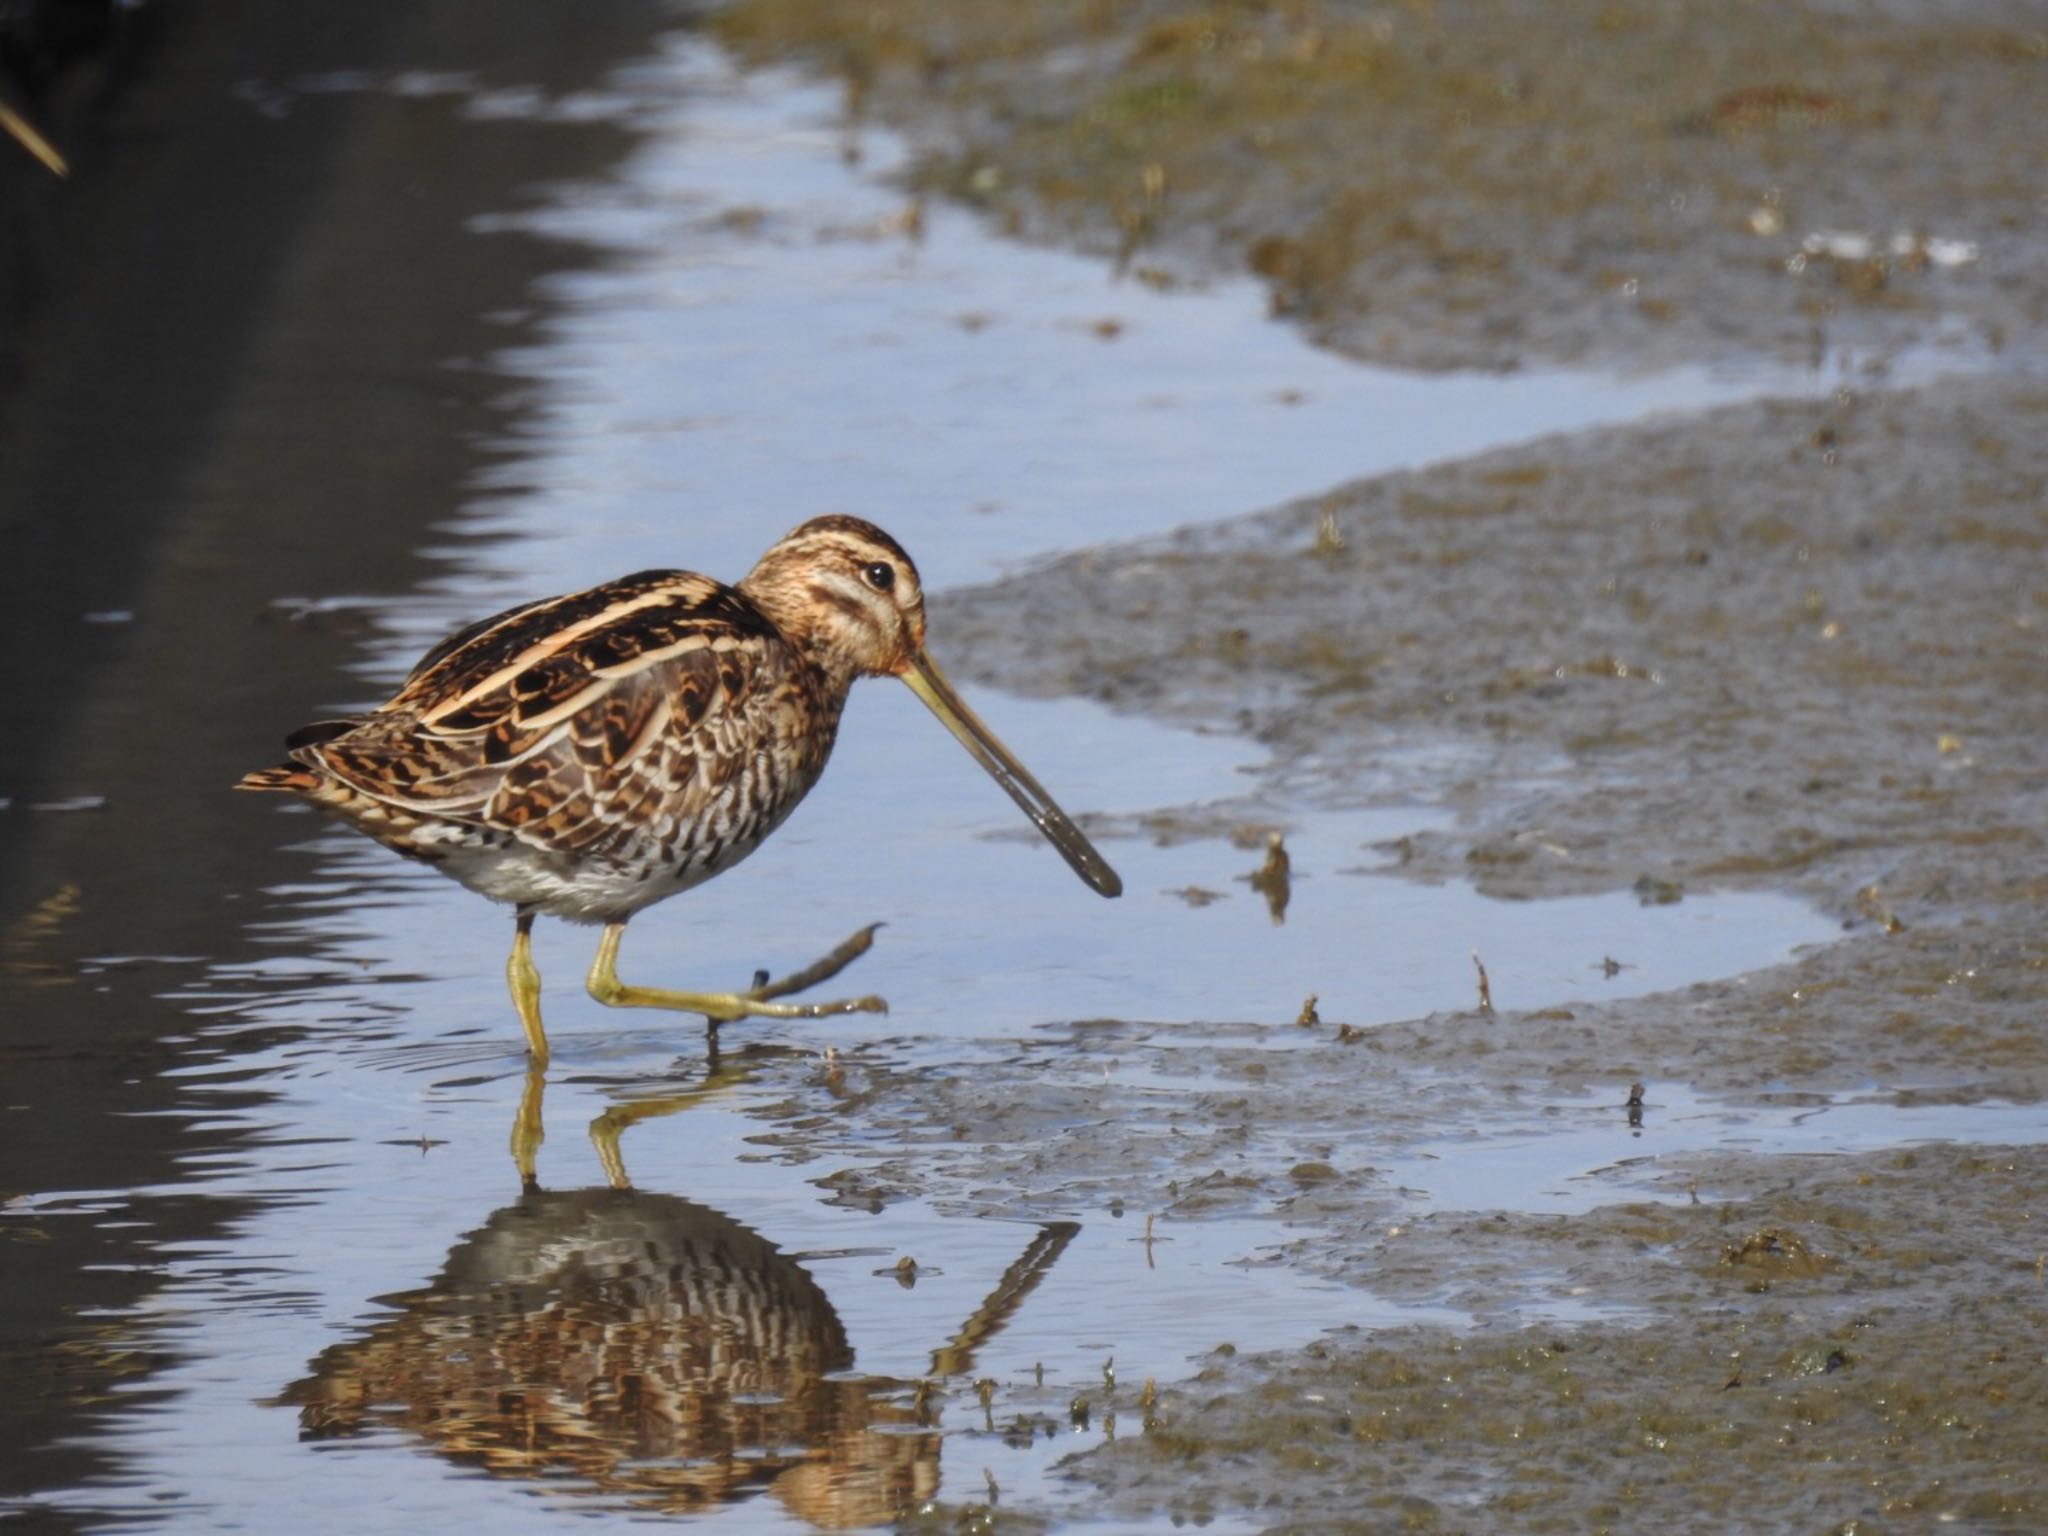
x,y
227,338
347,330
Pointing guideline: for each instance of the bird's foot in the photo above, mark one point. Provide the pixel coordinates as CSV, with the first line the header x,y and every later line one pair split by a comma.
x,y
758,1001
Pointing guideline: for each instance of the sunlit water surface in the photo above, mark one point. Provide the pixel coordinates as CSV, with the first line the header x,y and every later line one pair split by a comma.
x,y
770,343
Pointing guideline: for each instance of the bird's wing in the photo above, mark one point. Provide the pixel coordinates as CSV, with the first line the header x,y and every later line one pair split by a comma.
x,y
577,722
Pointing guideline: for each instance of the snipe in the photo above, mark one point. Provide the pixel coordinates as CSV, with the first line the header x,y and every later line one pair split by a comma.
x,y
589,755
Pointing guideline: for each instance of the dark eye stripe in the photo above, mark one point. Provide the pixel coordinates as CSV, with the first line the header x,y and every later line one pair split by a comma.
x,y
824,595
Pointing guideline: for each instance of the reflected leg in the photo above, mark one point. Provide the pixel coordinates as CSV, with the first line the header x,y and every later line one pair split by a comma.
x,y
527,1134
608,1127
956,1356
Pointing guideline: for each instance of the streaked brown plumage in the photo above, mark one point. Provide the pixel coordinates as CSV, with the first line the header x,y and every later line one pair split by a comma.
x,y
589,755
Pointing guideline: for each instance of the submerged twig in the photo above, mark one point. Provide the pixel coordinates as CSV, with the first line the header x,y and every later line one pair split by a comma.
x,y
24,133
1329,537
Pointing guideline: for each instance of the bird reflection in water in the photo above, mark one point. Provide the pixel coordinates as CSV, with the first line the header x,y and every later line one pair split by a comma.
x,y
658,1353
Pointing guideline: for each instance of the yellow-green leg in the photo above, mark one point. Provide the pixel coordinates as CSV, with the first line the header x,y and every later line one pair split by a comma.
x,y
524,980
724,1007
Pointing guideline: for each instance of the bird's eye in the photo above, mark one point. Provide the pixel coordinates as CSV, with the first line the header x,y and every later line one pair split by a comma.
x,y
881,575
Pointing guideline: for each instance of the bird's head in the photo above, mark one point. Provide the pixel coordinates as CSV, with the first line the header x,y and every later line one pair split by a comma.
x,y
845,594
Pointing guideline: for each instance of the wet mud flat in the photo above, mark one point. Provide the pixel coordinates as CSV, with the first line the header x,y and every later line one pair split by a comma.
x,y
1492,182
1790,645
1817,1361
1787,647
1782,646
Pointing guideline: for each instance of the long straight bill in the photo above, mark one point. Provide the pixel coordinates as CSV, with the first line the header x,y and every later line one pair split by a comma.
x,y
929,684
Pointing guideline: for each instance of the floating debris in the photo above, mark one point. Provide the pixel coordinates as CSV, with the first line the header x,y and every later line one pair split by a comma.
x,y
24,133
1871,904
1653,892
1776,1252
22,945
1329,537
1274,878
423,1142
1907,247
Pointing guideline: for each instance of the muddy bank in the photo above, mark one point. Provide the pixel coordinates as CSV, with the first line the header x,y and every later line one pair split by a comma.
x,y
1787,645
1719,1337
1490,184
1812,1366
1784,646
1791,646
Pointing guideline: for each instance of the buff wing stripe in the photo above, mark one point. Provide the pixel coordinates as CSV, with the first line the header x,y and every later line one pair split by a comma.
x,y
567,722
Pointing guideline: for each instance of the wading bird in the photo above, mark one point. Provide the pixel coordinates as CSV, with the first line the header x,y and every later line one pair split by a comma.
x,y
589,755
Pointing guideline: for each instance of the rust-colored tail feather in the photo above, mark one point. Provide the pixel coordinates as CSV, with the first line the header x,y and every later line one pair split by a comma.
x,y
289,777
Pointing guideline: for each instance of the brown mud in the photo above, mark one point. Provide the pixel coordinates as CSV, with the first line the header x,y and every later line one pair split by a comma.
x,y
1792,646
1491,183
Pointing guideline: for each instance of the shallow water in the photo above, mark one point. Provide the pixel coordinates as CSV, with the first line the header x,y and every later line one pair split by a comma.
x,y
715,381
356,1083
381,1140
1566,1157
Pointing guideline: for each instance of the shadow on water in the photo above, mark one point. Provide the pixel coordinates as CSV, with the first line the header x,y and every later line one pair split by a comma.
x,y
223,375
